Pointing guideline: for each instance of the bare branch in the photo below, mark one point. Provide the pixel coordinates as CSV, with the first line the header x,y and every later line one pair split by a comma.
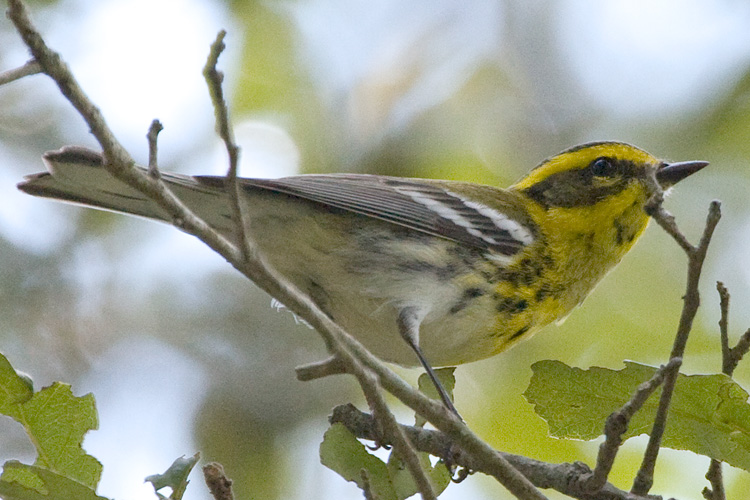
x,y
214,80
30,68
152,136
320,369
117,160
401,444
716,477
724,327
217,481
740,349
696,256
350,353
730,356
666,220
617,424
368,381
560,477
714,474
52,65
345,348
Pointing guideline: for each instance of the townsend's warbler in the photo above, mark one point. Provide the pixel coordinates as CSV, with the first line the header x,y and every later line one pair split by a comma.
x,y
460,271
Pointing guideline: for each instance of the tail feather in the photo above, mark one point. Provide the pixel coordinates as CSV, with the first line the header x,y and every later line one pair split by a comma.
x,y
77,175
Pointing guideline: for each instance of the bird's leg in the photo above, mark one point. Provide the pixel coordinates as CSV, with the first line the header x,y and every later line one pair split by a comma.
x,y
408,326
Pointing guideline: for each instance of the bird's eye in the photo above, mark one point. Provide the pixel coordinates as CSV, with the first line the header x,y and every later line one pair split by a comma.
x,y
603,167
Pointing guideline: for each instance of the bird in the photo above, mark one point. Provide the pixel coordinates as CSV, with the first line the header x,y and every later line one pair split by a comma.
x,y
421,271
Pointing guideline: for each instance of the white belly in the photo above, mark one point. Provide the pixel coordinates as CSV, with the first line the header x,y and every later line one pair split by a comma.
x,y
362,278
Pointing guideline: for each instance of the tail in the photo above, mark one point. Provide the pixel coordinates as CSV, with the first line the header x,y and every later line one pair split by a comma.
x,y
77,175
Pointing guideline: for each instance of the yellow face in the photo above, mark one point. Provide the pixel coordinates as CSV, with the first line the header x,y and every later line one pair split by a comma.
x,y
591,175
582,157
588,202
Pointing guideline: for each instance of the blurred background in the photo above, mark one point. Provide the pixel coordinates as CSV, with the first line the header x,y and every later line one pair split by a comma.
x,y
183,354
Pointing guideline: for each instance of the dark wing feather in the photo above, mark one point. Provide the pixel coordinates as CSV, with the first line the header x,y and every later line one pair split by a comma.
x,y
408,202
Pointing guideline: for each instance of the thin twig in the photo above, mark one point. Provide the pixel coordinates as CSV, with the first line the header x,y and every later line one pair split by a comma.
x,y
401,444
740,349
696,256
348,350
217,481
724,328
715,476
153,152
367,380
434,412
31,67
730,358
52,65
214,80
617,424
559,477
665,219
117,160
320,369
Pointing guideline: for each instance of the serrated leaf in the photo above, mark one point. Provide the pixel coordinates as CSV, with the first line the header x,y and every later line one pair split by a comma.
x,y
56,422
47,485
709,413
175,477
341,452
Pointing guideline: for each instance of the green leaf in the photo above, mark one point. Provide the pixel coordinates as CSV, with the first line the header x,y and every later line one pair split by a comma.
x,y
56,422
14,389
344,454
709,413
404,483
446,377
175,477
45,484
341,452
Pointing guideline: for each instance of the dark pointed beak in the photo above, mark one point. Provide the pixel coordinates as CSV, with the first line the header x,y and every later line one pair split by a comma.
x,y
672,173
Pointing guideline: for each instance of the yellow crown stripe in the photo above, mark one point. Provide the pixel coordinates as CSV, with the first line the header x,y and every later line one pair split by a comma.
x,y
581,157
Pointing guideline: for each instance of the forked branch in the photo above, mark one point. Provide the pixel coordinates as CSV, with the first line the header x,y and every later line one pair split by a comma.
x,y
696,256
